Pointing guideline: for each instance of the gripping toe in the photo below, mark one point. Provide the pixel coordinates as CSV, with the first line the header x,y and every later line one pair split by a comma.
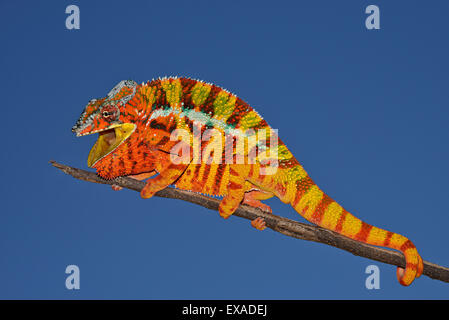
x,y
259,223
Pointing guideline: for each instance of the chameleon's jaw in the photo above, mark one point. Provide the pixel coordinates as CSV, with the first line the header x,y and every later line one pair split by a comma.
x,y
108,140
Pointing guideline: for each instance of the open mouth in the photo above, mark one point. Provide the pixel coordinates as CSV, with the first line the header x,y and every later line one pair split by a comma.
x,y
108,140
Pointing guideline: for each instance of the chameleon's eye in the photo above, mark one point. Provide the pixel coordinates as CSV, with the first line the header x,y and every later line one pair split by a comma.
x,y
110,113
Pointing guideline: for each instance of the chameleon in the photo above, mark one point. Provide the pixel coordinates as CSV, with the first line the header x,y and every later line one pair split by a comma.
x,y
136,125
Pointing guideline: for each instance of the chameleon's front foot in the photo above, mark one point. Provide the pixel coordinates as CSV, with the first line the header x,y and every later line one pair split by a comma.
x,y
225,209
251,199
140,177
116,187
147,192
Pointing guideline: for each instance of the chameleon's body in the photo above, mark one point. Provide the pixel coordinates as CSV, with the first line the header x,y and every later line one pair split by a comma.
x,y
135,123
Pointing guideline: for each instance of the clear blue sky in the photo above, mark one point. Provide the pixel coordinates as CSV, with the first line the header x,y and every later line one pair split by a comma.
x,y
365,111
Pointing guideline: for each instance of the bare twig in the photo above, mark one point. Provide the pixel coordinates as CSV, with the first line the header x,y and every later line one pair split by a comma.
x,y
283,225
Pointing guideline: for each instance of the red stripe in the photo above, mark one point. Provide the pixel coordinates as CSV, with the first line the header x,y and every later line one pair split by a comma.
x,y
218,178
388,238
407,245
411,266
321,208
302,186
251,171
233,172
196,172
205,177
342,218
364,232
234,186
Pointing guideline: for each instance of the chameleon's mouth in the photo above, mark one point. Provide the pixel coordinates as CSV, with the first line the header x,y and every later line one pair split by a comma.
x,y
109,140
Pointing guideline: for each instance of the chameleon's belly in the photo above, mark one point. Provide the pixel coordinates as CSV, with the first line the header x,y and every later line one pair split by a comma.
x,y
209,179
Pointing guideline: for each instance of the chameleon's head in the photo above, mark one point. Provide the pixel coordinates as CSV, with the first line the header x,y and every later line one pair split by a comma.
x,y
107,117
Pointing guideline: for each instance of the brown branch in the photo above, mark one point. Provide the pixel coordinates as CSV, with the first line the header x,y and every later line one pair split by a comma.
x,y
283,225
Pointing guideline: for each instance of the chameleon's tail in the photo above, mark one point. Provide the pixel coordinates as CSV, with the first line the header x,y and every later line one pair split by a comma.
x,y
317,207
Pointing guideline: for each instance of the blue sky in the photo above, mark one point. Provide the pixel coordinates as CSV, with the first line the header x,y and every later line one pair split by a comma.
x,y
364,111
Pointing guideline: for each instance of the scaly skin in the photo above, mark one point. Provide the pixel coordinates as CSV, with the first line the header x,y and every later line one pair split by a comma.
x,y
135,123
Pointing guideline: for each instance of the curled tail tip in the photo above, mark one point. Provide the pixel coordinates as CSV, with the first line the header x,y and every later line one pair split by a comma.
x,y
414,267
403,278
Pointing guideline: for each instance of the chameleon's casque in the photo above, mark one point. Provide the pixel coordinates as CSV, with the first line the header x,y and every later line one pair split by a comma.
x,y
135,124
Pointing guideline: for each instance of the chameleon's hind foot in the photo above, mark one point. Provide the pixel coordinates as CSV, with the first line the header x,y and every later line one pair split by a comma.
x,y
259,223
116,187
257,204
253,198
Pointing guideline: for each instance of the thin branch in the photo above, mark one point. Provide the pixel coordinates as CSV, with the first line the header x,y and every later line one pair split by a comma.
x,y
280,224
